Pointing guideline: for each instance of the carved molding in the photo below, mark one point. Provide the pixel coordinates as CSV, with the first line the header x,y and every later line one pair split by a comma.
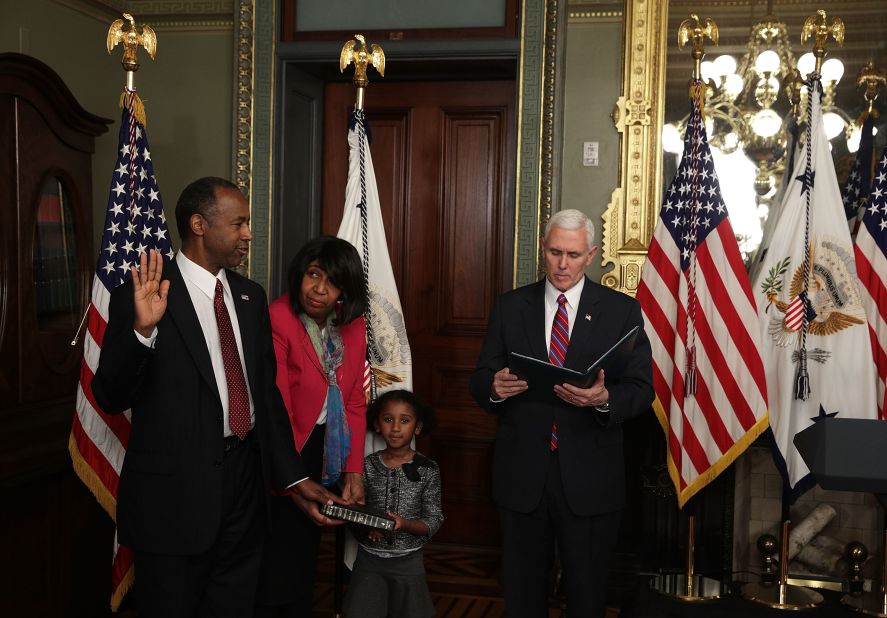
x,y
255,63
243,102
538,142
631,214
579,12
161,14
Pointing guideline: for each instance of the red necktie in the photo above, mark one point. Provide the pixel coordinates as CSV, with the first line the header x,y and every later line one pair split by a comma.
x,y
557,349
238,397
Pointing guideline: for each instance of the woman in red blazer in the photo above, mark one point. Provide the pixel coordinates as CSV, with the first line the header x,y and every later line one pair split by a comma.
x,y
320,343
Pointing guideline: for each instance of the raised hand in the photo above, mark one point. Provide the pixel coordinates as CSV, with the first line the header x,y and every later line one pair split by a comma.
x,y
149,292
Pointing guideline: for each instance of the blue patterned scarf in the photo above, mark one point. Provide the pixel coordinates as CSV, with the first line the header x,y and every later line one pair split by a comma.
x,y
337,441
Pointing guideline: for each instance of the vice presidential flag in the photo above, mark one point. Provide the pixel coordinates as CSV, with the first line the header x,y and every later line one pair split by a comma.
x,y
388,350
816,342
701,318
871,264
134,224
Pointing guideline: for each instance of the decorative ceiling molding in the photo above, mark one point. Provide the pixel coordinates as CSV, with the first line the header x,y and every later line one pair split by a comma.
x,y
588,12
161,14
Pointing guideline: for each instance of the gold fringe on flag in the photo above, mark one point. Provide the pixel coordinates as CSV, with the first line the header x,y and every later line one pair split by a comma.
x,y
138,108
698,90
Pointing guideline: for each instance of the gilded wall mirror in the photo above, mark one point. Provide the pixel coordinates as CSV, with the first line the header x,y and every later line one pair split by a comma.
x,y
652,107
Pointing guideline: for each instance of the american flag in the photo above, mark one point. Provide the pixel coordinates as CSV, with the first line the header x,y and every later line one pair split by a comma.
x,y
871,266
134,224
855,191
701,318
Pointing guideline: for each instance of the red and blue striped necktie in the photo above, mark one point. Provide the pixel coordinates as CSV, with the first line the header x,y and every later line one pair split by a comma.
x,y
557,349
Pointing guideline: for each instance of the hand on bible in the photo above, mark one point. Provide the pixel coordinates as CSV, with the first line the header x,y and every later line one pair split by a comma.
x,y
309,495
149,292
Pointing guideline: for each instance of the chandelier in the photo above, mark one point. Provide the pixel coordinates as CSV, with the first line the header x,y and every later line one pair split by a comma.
x,y
744,110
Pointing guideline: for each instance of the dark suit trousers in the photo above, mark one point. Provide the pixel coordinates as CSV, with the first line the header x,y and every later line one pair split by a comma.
x,y
584,545
289,563
220,582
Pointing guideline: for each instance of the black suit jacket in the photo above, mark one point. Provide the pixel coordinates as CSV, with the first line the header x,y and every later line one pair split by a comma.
x,y
170,495
589,442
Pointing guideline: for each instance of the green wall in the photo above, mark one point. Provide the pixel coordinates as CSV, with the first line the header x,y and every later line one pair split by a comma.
x,y
592,83
187,92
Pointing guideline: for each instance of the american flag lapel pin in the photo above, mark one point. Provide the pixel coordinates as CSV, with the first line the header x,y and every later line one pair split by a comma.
x,y
588,317
244,297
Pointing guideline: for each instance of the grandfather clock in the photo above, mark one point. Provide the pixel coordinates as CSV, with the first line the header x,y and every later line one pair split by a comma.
x,y
53,533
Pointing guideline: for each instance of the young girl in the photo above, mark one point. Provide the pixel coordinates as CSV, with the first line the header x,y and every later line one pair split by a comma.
x,y
389,572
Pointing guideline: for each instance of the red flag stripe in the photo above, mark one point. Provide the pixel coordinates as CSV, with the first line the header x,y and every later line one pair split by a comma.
x,y
94,457
118,424
675,452
711,362
674,395
731,329
868,272
874,301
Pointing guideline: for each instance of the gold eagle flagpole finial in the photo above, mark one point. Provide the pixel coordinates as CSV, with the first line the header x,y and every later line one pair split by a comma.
x,y
132,38
693,31
357,51
817,26
873,79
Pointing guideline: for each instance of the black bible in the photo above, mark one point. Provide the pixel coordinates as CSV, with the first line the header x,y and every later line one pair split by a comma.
x,y
359,514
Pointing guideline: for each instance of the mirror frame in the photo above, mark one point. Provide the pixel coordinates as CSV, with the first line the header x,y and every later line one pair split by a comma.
x,y
630,216
638,114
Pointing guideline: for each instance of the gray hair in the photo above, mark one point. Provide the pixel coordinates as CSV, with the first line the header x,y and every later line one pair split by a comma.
x,y
571,219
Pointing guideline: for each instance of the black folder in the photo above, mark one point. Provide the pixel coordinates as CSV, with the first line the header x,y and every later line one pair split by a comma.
x,y
540,374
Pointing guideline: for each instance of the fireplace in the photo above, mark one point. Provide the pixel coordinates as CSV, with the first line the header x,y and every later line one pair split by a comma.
x,y
744,502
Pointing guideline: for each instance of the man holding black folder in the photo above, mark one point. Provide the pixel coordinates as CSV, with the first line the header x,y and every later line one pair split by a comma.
x,y
558,470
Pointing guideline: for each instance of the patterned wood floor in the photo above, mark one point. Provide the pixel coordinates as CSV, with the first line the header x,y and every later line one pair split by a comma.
x,y
463,580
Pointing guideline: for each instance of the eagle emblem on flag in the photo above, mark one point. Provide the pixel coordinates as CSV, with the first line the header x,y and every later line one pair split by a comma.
x,y
830,305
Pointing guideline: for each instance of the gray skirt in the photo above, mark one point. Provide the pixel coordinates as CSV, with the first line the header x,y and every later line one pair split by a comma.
x,y
388,587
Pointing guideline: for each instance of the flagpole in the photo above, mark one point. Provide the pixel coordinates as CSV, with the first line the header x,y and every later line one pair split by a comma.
x,y
358,52
784,595
131,40
691,586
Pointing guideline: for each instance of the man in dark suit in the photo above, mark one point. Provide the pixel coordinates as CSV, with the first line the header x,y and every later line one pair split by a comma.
x,y
188,349
558,471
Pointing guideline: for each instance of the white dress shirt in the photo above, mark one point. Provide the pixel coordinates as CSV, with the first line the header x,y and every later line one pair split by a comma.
x,y
201,286
551,294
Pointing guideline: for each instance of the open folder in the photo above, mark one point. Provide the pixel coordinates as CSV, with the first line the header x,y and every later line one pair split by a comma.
x,y
540,374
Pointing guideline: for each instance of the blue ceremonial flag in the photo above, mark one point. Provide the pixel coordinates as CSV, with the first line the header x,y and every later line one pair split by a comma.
x,y
134,224
855,191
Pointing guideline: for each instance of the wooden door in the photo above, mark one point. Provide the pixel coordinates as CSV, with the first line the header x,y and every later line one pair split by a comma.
x,y
444,159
